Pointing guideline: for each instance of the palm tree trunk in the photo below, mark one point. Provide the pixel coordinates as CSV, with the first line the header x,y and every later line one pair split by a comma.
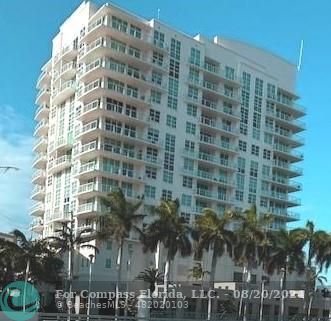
x,y
262,300
119,268
241,301
70,268
27,271
248,280
166,279
310,305
211,283
282,301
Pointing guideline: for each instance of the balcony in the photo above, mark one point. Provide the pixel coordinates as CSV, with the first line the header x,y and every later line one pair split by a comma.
x,y
42,112
216,72
216,142
290,185
38,193
41,128
63,144
59,164
66,72
62,93
40,145
214,106
279,213
44,79
287,152
86,191
209,177
69,52
39,177
60,216
291,123
212,160
87,111
37,209
287,168
282,197
40,161
87,209
213,196
87,171
43,96
289,106
37,225
218,127
287,137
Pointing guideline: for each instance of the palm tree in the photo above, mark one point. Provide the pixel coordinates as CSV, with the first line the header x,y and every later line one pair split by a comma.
x,y
172,231
152,277
197,272
214,236
251,236
316,242
285,254
316,278
117,223
68,240
30,258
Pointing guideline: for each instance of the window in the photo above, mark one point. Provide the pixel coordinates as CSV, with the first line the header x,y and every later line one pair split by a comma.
x,y
186,200
238,277
271,91
173,87
172,102
108,264
252,185
153,135
194,75
135,31
257,104
158,39
156,78
189,145
256,134
150,191
240,183
246,81
268,138
187,182
171,121
150,172
157,58
174,68
265,170
190,128
254,169
166,195
175,49
193,93
188,164
195,57
170,142
251,198
266,154
229,72
154,115
155,96
192,110
258,87
186,217
242,146
119,24
241,165
168,176
239,196
255,150
168,161
151,154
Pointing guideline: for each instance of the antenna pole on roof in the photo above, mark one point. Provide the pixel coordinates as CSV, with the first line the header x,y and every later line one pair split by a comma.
x,y
300,56
158,13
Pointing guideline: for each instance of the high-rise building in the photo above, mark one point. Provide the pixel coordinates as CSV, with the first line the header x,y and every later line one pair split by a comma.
x,y
133,103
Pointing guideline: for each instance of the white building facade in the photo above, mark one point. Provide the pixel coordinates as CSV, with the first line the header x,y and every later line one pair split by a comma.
x,y
131,103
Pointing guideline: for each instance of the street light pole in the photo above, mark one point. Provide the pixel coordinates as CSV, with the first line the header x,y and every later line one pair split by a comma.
x,y
91,257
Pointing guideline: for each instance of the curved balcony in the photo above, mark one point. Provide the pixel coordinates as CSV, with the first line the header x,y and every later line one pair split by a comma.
x,y
44,79
41,128
63,144
43,96
88,131
40,145
40,161
287,153
286,168
39,177
37,209
42,112
67,53
67,72
37,225
59,164
60,216
89,190
38,193
66,90
211,160
87,209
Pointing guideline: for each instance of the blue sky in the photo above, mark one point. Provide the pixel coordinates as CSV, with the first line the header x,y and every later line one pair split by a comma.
x,y
27,28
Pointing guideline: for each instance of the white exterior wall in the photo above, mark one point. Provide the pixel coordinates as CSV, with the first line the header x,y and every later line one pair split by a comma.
x,y
58,185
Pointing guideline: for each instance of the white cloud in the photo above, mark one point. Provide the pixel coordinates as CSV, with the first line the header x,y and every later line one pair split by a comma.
x,y
15,186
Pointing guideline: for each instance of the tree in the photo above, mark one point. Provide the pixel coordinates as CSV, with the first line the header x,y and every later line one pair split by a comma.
x,y
30,258
251,236
316,242
214,236
316,278
197,272
152,277
284,255
172,231
117,223
67,241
